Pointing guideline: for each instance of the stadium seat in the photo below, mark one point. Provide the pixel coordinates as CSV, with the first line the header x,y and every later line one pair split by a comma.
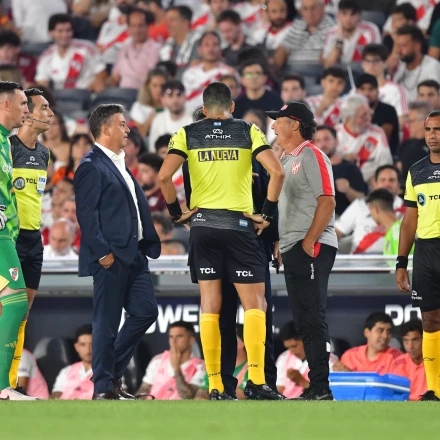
x,y
34,49
52,355
69,101
83,29
126,97
311,72
376,17
313,89
133,374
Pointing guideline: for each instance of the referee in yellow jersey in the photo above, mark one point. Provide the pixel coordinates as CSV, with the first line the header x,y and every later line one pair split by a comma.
x,y
422,201
223,240
30,160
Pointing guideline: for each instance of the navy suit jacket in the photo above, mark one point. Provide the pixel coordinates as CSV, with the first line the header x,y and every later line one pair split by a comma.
x,y
107,214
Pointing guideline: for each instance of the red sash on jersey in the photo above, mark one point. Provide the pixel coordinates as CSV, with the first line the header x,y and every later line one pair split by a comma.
x,y
366,150
202,87
75,67
334,117
202,21
369,240
119,39
360,44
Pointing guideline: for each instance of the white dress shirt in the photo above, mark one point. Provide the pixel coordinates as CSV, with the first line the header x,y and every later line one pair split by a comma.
x,y
119,161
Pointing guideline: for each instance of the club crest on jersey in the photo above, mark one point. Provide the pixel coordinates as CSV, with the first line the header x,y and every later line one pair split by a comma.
x,y
296,167
13,271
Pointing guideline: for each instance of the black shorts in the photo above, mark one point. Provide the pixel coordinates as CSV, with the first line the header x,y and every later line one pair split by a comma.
x,y
30,252
426,275
232,253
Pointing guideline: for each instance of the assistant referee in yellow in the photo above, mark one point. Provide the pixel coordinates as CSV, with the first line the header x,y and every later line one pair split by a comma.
x,y
223,239
422,215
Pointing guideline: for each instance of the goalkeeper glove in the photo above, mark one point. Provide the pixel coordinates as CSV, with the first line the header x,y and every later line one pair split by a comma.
x,y
3,218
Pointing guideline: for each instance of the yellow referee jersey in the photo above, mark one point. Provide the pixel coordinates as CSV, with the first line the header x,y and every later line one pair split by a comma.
x,y
29,180
423,192
219,153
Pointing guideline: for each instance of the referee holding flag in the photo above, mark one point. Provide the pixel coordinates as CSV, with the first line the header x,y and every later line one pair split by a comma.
x,y
308,242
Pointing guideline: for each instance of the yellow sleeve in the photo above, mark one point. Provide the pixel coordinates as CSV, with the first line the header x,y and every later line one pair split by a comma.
x,y
410,198
178,145
259,141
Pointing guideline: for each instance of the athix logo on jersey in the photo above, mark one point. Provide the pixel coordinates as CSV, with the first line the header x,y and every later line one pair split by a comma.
x,y
13,271
296,167
198,218
435,175
421,199
212,155
217,133
415,296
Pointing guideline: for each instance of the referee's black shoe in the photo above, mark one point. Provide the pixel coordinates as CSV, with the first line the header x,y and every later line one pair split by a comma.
x,y
261,392
429,396
217,395
315,394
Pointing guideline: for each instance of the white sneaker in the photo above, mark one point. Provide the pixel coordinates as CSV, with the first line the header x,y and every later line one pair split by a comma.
x,y
11,394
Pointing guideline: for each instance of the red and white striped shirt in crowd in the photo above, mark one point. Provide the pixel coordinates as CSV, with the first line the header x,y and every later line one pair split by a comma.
x,y
395,95
251,17
76,69
370,148
269,38
203,18
196,79
352,47
331,116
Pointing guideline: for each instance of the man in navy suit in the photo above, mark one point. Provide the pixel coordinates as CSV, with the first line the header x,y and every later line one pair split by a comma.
x,y
116,235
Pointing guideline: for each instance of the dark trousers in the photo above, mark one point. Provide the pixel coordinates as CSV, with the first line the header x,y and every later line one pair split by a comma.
x,y
120,287
307,284
228,316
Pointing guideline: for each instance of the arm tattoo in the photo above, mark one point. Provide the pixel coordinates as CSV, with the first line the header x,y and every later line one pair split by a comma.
x,y
185,390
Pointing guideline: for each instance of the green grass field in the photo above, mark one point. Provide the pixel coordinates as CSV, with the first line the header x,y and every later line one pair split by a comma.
x,y
153,420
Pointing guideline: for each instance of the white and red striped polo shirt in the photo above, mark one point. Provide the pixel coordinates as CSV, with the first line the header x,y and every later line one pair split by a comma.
x,y
331,116
308,175
270,39
113,34
395,95
352,48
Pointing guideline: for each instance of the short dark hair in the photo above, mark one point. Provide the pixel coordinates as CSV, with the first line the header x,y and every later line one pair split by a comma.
x,y
365,78
413,31
337,72
168,67
407,10
293,77
9,87
149,16
328,128
434,114
386,167
229,76
56,19
10,38
382,198
252,62
103,115
198,115
152,160
429,83
162,141
229,15
376,49
349,5
172,84
184,324
217,94
184,11
375,317
207,34
156,2
414,325
289,331
307,130
85,329
29,94
165,222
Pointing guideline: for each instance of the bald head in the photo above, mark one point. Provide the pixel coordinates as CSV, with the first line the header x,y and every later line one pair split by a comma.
x,y
61,236
277,13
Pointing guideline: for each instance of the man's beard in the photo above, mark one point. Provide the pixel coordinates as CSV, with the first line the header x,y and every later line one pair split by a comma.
x,y
409,58
278,24
148,186
124,9
177,112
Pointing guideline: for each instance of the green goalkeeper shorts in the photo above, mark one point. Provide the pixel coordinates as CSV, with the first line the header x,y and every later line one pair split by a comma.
x,y
11,274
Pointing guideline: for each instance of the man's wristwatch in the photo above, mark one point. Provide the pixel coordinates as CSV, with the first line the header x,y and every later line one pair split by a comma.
x,y
266,217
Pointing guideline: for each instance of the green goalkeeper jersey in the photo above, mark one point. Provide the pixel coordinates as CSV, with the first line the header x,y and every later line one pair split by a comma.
x,y
7,195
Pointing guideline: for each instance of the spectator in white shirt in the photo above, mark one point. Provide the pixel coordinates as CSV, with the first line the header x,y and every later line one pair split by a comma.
x,y
414,67
30,378
210,69
359,140
293,88
174,116
344,43
31,18
70,63
61,237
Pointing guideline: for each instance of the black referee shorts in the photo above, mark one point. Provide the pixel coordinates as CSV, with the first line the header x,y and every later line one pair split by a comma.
x,y
426,275
30,252
216,253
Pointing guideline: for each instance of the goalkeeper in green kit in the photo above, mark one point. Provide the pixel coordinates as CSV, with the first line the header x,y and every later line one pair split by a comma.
x,y
13,299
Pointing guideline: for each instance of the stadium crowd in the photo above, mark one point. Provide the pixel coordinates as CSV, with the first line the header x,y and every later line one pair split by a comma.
x,y
369,71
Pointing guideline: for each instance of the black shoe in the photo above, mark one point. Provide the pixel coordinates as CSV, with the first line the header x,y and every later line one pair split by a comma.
x,y
217,395
261,392
312,394
21,390
429,396
108,395
118,387
280,396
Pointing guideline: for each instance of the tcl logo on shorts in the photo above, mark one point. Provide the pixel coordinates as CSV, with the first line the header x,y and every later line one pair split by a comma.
x,y
207,270
244,273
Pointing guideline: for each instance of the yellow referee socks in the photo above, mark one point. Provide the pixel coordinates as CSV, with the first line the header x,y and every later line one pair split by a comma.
x,y
211,344
254,341
431,360
13,372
